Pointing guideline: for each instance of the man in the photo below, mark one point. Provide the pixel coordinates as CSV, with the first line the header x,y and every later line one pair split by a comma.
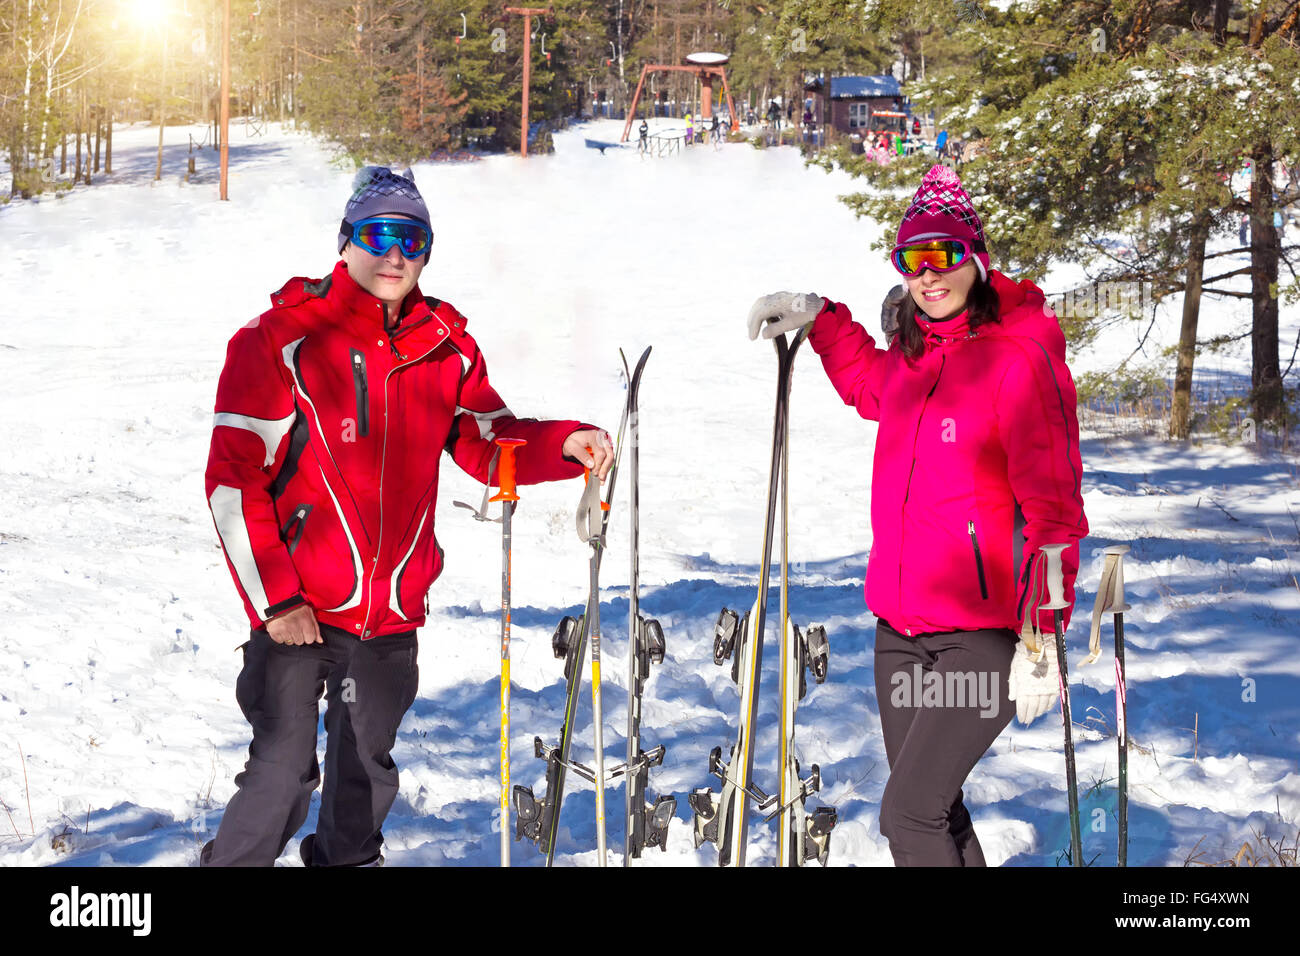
x,y
332,411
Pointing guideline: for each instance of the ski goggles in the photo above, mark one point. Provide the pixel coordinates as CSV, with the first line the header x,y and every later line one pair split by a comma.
x,y
377,235
939,255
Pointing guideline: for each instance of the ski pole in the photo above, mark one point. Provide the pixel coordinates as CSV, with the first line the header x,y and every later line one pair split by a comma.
x,y
1110,597
1056,604
1121,695
507,497
597,542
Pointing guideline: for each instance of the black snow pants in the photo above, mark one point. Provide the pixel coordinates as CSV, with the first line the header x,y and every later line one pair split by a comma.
x,y
368,686
943,701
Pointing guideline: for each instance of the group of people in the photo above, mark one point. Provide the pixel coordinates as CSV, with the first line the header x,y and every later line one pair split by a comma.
x,y
335,404
695,134
883,146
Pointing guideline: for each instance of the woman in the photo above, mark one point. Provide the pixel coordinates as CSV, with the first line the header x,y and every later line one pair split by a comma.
x,y
976,466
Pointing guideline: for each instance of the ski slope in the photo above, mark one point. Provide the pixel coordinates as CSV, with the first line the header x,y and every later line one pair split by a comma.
x,y
120,733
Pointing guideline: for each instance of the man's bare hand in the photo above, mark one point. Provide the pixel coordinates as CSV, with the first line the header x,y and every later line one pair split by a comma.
x,y
601,456
295,627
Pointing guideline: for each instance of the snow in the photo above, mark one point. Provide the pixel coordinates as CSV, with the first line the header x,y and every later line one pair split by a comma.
x,y
122,736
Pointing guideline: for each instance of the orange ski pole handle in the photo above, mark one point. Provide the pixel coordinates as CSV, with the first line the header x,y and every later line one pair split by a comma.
x,y
506,469
586,476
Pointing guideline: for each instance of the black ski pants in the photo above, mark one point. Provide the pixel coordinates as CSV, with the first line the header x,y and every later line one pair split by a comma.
x,y
368,686
943,701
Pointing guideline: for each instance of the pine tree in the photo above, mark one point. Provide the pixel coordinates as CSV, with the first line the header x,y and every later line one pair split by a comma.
x,y
1122,119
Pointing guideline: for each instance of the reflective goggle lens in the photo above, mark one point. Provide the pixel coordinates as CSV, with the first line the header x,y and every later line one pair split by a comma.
x,y
941,255
377,236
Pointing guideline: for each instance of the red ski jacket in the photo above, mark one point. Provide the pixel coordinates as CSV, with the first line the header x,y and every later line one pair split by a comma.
x,y
322,476
976,462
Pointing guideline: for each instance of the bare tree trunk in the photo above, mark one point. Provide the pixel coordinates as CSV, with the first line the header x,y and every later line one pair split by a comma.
x,y
52,60
24,142
96,116
76,175
63,139
279,62
1221,10
85,123
108,141
1181,412
294,86
1265,379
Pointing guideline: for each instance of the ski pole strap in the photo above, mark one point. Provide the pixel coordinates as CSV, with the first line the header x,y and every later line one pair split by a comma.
x,y
591,518
1110,597
480,513
1029,631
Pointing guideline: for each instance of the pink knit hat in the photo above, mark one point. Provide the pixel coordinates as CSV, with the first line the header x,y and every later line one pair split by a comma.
x,y
941,209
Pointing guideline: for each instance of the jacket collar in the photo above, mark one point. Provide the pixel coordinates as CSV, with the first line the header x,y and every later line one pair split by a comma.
x,y
936,333
345,295
1010,296
418,330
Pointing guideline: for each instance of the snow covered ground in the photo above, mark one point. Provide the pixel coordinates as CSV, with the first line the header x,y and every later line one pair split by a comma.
x,y
121,736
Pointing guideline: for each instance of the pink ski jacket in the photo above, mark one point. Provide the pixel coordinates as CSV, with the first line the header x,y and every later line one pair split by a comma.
x,y
976,463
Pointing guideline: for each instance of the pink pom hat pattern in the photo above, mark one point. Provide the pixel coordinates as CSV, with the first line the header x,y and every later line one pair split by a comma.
x,y
941,209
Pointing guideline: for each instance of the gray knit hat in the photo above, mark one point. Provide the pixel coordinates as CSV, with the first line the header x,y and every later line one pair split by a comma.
x,y
378,191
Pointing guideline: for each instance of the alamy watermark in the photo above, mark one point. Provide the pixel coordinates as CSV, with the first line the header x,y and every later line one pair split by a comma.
x,y
957,689
1095,299
75,908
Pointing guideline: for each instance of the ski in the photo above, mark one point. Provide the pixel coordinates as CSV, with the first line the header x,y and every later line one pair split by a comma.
x,y
645,824
725,823
801,836
539,819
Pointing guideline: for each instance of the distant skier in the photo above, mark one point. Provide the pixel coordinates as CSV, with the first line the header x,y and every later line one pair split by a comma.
x,y
690,130
644,130
714,135
977,429
322,479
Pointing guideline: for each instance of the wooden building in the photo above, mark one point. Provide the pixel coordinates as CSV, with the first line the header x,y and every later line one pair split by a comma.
x,y
860,104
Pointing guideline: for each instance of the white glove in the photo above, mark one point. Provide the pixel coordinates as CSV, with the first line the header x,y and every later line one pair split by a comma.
x,y
783,311
1035,687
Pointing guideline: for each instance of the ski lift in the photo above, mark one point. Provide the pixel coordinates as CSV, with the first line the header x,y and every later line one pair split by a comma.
x,y
544,51
464,32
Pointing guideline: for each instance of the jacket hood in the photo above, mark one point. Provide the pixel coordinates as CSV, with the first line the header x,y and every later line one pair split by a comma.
x,y
1024,312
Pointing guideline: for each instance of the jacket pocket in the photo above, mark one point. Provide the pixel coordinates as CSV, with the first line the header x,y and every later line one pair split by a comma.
x,y
414,576
979,561
362,391
291,531
323,552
